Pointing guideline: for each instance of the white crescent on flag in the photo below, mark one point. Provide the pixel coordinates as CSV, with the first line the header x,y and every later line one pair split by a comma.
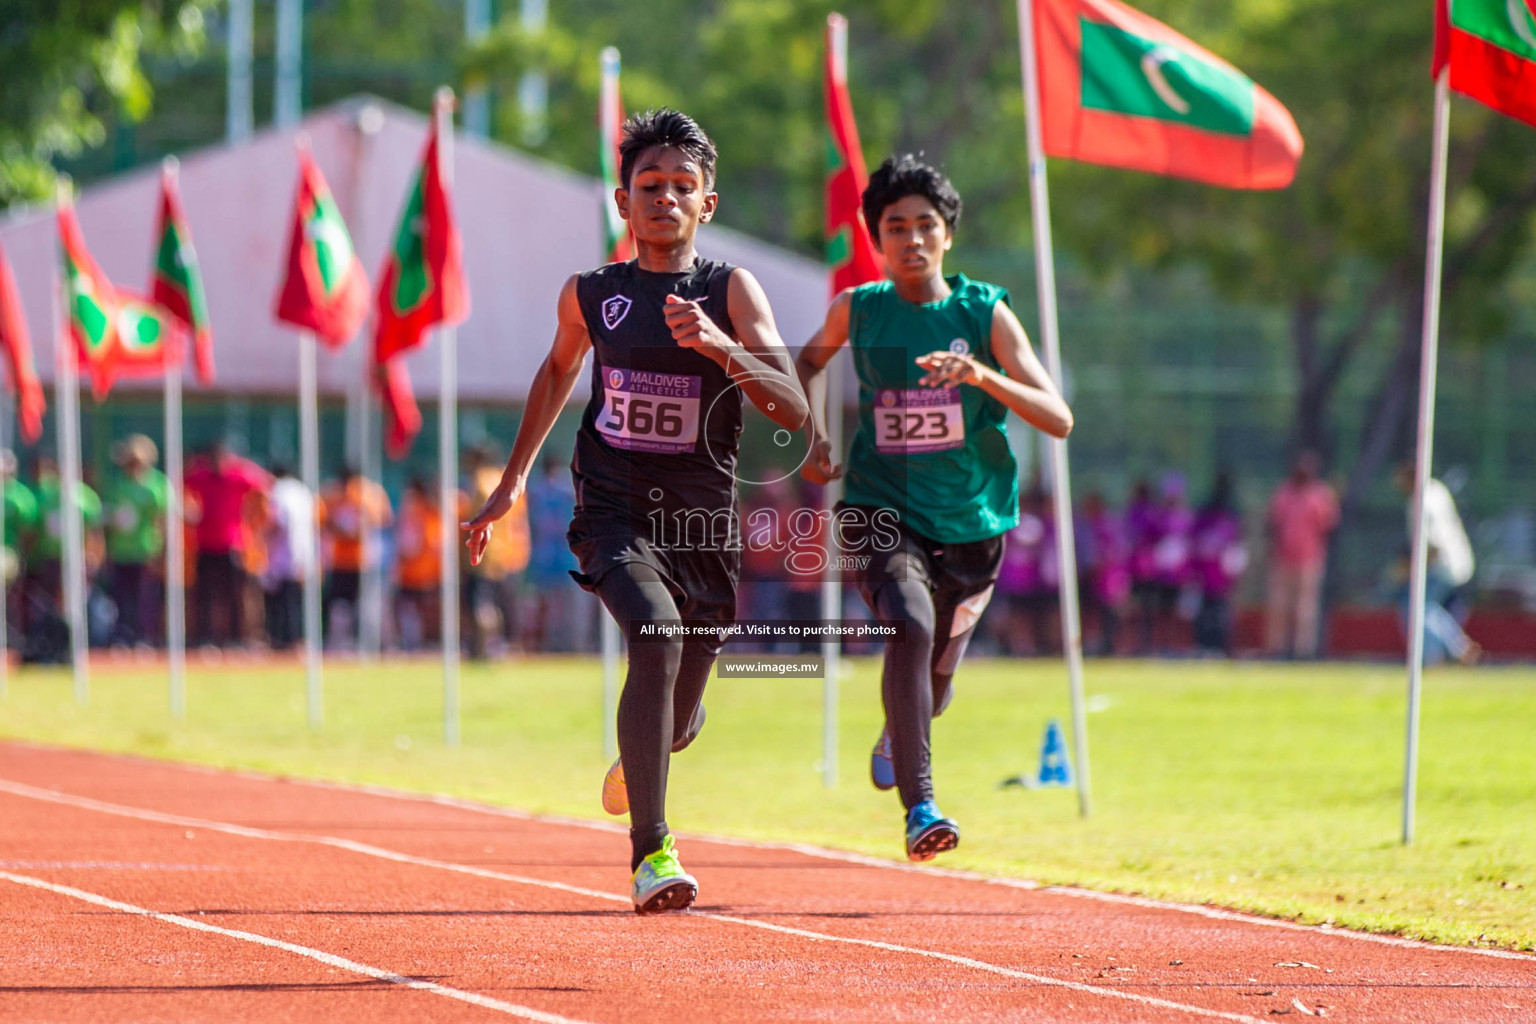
x,y
1152,67
1520,20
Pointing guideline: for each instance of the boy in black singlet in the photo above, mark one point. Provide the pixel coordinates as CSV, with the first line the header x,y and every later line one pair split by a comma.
x,y
678,341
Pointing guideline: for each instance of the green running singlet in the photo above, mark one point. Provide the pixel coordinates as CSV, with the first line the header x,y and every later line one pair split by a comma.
x,y
938,456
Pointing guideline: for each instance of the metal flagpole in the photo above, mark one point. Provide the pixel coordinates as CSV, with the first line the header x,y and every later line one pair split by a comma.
x,y
608,638
1045,282
448,455
238,116
288,86
68,400
832,585
369,611
175,547
309,457
1428,356
609,118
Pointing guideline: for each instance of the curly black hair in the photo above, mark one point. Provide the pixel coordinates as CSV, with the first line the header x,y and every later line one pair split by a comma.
x,y
665,127
906,175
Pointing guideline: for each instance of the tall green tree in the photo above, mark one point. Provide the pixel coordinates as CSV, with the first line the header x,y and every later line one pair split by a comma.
x,y
67,66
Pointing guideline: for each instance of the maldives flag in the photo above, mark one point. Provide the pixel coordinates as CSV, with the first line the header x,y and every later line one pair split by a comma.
x,y
18,356
116,332
177,283
1123,89
325,289
1490,46
618,246
851,254
422,286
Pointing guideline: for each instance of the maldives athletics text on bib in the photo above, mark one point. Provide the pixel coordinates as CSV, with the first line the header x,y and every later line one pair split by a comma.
x,y
938,456
662,425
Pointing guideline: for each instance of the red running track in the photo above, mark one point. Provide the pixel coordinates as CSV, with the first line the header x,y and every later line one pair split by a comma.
x,y
143,891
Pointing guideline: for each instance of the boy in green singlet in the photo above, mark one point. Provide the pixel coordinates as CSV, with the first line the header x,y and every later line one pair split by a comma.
x,y
931,485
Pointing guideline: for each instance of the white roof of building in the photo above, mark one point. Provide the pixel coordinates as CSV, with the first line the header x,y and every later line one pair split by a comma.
x,y
527,226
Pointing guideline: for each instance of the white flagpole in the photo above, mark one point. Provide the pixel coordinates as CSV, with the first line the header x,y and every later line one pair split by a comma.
x,y
175,547
309,457
609,119
73,562
1045,278
369,611
832,584
448,455
1428,356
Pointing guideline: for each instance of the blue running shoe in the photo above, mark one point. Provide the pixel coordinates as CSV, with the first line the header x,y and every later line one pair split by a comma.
x,y
882,771
929,833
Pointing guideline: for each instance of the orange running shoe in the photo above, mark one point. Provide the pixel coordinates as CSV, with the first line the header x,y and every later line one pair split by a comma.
x,y
615,793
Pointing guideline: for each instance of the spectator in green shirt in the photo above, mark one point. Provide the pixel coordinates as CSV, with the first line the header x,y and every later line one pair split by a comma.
x,y
45,575
136,503
20,521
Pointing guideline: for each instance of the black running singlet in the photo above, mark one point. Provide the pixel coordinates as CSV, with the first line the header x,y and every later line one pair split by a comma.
x,y
661,429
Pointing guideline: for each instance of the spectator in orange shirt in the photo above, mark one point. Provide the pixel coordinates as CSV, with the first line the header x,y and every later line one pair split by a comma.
x,y
492,588
418,567
353,509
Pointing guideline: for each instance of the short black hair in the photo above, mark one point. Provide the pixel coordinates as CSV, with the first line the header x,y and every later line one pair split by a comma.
x,y
665,127
906,175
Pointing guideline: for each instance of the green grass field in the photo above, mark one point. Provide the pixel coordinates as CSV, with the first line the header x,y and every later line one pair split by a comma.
x,y
1274,789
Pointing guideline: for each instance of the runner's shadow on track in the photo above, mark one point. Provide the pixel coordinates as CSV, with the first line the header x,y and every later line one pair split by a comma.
x,y
129,990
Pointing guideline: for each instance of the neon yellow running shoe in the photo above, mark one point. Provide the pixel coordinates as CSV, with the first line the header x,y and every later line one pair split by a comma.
x,y
615,792
661,884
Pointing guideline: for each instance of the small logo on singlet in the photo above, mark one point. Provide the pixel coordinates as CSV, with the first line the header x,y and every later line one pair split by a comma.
x,y
616,378
960,347
887,398
615,310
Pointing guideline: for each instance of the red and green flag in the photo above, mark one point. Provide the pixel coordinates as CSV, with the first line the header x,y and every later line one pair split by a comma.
x,y
422,286
177,284
116,333
325,288
1490,47
851,255
18,356
618,246
1123,89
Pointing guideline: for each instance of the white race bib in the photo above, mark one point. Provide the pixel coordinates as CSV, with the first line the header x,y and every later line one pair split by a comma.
x,y
645,411
918,420
125,518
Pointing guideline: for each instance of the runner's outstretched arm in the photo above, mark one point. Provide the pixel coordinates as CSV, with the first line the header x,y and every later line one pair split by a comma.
x,y
821,464
759,363
551,389
1026,389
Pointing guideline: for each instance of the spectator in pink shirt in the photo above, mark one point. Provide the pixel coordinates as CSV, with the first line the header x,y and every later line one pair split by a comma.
x,y
221,483
1302,514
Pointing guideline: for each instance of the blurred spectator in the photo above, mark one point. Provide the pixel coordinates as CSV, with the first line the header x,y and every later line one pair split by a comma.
x,y
1143,526
136,505
419,567
1173,563
1302,514
47,635
290,537
491,589
353,508
20,524
562,611
1104,568
1448,582
1220,557
1019,580
221,483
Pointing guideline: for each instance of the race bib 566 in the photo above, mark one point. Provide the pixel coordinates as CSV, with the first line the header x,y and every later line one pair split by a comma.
x,y
646,411
918,420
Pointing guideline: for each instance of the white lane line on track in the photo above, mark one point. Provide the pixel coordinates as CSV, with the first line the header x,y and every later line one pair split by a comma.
x,y
330,959
805,849
120,810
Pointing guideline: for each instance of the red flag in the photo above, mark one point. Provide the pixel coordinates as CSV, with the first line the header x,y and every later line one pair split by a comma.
x,y
1490,47
422,286
177,282
1123,89
325,288
115,331
618,243
851,253
18,356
